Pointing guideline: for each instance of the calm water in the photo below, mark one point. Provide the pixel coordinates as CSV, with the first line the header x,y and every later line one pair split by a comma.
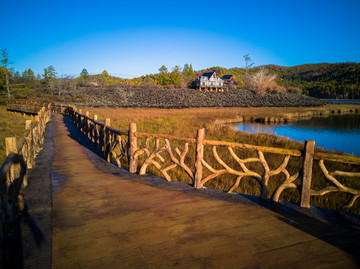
x,y
340,133
353,101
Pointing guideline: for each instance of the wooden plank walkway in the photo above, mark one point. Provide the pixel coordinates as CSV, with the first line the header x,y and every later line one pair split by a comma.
x,y
101,220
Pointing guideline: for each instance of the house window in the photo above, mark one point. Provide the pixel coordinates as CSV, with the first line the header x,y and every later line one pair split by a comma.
x,y
212,84
203,83
219,83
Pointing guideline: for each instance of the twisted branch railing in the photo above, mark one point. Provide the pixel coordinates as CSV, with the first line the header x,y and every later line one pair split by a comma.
x,y
152,150
108,139
27,107
262,179
155,153
336,185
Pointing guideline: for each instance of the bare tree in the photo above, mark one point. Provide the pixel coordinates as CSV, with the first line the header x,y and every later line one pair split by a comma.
x,y
248,64
71,84
262,77
262,81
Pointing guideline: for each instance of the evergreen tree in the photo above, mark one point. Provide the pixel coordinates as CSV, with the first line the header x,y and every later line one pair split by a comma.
x,y
28,75
84,74
188,74
17,76
186,68
163,78
104,77
49,73
175,76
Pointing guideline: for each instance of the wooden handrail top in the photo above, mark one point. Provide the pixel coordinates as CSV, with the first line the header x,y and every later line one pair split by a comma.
x,y
81,115
94,121
99,123
170,137
22,111
291,152
337,158
117,131
90,119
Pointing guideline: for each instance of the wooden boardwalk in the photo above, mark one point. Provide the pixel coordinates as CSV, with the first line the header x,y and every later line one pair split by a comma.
x,y
101,220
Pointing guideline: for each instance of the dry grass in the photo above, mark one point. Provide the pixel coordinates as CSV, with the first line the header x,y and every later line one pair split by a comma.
x,y
11,124
185,122
206,115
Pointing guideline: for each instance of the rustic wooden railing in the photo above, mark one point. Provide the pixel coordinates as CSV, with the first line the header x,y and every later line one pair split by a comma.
x,y
123,146
28,107
20,157
332,176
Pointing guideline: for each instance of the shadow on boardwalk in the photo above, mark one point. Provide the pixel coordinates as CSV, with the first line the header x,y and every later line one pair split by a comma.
x,y
337,229
30,244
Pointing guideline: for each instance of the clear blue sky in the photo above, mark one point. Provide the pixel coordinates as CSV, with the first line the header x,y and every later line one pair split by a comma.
x,y
133,38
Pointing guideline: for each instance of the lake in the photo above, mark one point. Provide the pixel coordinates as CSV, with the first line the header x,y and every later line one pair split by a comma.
x,y
338,132
352,101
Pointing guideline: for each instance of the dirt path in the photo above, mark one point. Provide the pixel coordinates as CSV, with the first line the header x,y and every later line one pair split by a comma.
x,y
102,220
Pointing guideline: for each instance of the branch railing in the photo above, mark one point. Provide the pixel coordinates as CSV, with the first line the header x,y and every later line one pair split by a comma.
x,y
33,108
13,172
139,151
201,160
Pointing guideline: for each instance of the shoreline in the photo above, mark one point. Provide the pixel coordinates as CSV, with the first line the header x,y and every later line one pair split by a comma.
x,y
287,117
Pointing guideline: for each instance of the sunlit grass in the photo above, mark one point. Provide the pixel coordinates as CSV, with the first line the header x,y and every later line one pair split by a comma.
x,y
11,124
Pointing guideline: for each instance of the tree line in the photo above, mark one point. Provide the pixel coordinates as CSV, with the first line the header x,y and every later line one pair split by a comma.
x,y
337,81
177,77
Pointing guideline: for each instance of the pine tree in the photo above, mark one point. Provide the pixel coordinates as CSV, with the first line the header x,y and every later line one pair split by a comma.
x,y
49,73
163,76
84,74
175,76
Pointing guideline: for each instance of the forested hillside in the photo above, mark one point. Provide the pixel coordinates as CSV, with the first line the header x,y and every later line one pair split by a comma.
x,y
334,81
322,80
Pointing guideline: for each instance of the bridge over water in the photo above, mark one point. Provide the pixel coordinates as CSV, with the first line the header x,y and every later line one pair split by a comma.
x,y
82,212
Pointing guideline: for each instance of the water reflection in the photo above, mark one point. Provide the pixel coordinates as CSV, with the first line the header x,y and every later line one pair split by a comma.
x,y
340,132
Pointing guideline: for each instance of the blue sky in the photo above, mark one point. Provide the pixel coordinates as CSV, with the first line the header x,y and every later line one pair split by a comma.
x,y
133,38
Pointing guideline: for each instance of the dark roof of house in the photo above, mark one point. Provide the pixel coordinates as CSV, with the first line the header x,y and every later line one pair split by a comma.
x,y
208,74
227,77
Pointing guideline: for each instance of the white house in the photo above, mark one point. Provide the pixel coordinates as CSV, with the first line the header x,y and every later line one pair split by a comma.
x,y
209,81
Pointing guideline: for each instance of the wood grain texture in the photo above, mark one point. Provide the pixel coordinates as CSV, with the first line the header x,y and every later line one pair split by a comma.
x,y
117,222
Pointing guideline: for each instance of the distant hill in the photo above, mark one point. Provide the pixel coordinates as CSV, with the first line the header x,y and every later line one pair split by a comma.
x,y
324,80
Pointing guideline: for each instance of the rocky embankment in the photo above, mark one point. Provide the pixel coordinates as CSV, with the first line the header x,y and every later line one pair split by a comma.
x,y
184,98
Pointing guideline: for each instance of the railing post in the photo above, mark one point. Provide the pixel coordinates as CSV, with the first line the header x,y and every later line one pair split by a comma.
x,y
87,114
95,130
107,140
29,155
27,124
10,145
132,148
198,157
307,173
